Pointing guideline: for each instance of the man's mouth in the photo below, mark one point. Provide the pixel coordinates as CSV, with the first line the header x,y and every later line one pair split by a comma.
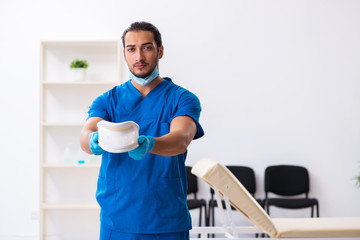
x,y
140,66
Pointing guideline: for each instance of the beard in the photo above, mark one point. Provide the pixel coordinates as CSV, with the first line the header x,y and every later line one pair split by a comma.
x,y
143,74
147,73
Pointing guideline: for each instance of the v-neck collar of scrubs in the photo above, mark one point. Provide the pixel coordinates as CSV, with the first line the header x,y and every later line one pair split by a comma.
x,y
137,93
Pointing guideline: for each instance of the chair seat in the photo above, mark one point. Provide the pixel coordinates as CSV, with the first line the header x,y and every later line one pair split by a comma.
x,y
195,203
292,203
213,203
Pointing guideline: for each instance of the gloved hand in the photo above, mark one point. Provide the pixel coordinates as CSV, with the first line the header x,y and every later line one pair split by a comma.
x,y
94,144
146,144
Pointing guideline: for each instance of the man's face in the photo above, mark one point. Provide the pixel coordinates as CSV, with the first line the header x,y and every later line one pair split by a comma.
x,y
141,53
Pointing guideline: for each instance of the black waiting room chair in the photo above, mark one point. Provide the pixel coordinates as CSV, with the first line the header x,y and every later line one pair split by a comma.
x,y
192,189
287,182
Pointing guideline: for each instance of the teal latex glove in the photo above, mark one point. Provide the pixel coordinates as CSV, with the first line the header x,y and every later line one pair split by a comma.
x,y
146,145
94,144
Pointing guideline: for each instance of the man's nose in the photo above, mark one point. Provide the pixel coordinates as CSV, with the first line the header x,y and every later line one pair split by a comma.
x,y
139,55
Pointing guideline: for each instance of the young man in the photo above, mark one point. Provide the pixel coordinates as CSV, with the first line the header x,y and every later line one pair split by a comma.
x,y
142,193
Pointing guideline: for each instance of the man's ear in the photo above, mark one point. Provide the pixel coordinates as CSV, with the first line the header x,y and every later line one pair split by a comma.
x,y
161,52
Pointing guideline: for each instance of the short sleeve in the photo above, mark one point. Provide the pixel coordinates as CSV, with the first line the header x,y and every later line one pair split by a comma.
x,y
189,105
98,108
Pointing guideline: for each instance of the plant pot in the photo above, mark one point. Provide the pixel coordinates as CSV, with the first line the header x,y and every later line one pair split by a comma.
x,y
79,74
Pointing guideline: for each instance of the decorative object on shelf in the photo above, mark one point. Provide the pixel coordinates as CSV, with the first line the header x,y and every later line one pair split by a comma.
x,y
74,154
70,153
79,69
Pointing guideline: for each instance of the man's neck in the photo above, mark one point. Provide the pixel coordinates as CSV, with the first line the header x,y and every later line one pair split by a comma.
x,y
145,90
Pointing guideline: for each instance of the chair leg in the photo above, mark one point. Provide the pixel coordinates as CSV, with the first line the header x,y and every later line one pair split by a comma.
x,y
317,210
212,218
206,217
312,211
200,216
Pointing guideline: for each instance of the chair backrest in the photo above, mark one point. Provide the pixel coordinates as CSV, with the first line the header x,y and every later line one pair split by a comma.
x,y
245,175
286,180
192,184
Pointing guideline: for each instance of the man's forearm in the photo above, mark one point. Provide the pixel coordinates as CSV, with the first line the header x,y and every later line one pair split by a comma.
x,y
172,144
84,141
89,127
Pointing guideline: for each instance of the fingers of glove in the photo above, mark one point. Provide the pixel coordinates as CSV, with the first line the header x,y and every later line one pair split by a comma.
x,y
136,155
139,152
94,137
97,150
146,144
142,139
94,144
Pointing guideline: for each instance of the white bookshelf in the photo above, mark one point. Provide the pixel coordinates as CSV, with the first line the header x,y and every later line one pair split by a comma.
x,y
68,208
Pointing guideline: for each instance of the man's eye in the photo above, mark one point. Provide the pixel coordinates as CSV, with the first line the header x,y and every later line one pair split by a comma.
x,y
131,49
148,48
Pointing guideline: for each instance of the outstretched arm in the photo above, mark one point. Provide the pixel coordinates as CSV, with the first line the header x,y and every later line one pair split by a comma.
x,y
182,132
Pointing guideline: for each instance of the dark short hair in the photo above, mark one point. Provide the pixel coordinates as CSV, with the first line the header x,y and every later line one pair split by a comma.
x,y
143,26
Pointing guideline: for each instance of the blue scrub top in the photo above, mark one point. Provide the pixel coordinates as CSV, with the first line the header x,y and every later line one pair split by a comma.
x,y
146,196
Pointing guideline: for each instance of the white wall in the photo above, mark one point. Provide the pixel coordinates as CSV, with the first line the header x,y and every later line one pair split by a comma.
x,y
279,82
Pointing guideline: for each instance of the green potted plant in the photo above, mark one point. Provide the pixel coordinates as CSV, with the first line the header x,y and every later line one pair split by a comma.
x,y
357,180
79,68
